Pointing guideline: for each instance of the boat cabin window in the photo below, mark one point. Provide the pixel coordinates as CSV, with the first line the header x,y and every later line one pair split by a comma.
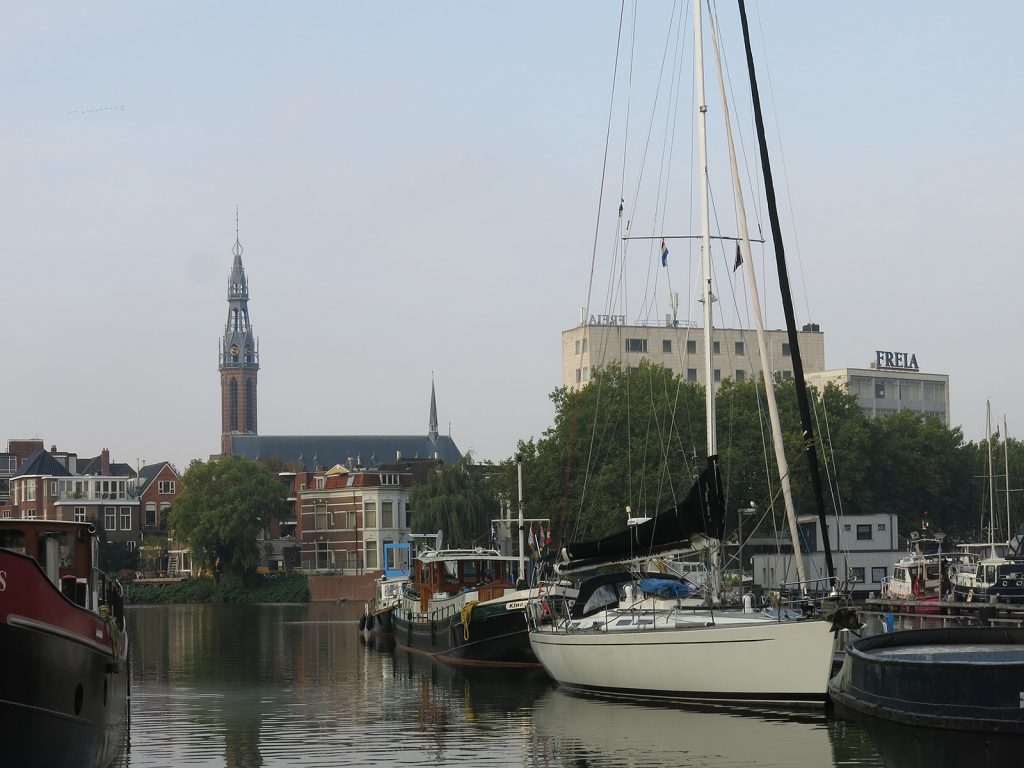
x,y
990,574
12,540
933,571
603,597
900,574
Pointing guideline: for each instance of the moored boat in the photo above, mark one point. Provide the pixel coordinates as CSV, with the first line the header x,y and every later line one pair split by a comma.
x,y
462,608
922,693
65,684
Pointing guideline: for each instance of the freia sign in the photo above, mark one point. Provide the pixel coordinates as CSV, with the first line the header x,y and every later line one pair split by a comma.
x,y
895,361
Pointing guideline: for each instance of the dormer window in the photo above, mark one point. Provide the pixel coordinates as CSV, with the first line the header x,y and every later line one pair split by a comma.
x,y
320,483
389,478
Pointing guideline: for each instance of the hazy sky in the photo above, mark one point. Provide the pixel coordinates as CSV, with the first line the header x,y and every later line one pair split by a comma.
x,y
418,186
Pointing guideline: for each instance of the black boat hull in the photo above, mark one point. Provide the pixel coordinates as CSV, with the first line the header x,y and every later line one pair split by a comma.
x,y
960,679
63,703
493,639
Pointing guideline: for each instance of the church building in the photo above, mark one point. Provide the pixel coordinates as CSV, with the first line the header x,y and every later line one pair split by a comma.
x,y
239,367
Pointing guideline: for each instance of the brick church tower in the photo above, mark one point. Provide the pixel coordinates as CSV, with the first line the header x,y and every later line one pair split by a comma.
x,y
239,359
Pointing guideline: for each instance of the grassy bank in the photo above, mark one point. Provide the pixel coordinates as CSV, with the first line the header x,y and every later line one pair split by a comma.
x,y
259,588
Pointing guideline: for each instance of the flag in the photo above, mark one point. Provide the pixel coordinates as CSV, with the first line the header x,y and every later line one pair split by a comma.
x,y
664,254
739,259
494,537
548,541
531,540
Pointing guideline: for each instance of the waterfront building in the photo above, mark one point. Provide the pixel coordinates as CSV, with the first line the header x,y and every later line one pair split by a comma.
x,y
892,383
864,550
347,516
603,339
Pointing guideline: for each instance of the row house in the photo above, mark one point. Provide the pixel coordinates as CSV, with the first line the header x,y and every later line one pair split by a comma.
x,y
52,486
347,516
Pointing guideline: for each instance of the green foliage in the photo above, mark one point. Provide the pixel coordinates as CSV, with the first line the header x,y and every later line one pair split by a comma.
x,y
222,509
637,437
458,500
263,588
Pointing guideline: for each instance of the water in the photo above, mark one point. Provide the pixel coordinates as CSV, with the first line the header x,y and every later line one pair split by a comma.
x,y
287,685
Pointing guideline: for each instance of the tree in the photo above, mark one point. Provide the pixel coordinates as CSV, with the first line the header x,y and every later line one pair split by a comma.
x,y
458,500
223,508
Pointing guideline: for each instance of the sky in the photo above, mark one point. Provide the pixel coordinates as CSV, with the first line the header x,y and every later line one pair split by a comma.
x,y
418,190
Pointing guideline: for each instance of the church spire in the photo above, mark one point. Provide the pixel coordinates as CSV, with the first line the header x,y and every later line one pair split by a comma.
x,y
239,356
432,434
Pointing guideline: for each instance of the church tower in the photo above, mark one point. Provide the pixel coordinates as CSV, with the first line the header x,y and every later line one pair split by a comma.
x,y
239,358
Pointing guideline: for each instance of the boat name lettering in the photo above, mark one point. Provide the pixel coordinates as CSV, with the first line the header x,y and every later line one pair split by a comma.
x,y
515,605
3,581
607,319
895,361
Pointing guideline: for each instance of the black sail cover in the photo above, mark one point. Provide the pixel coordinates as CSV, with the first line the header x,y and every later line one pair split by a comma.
x,y
701,512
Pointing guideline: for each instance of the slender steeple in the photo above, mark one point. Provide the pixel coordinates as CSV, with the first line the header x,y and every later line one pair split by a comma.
x,y
239,356
432,434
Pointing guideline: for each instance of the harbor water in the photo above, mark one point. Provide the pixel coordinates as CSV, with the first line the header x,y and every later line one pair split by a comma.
x,y
288,685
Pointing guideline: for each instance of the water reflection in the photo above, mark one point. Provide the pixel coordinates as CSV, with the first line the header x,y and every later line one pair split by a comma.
x,y
253,686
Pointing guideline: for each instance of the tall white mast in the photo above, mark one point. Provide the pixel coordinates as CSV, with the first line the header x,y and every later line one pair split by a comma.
x,y
715,552
708,296
762,344
991,484
1006,469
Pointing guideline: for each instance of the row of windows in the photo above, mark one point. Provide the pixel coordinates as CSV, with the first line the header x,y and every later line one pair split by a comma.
x,y
691,375
325,556
110,518
640,345
878,574
390,516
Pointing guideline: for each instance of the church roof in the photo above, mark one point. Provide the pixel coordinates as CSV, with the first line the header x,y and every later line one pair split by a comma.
x,y
362,450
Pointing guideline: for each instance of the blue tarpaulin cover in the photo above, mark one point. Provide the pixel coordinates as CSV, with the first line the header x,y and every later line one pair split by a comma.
x,y
665,588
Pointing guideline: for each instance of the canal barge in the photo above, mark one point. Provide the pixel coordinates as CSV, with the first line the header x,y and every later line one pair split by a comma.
x,y
63,692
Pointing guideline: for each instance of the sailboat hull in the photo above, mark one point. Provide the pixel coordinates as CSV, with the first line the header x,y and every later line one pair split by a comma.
x,y
750,659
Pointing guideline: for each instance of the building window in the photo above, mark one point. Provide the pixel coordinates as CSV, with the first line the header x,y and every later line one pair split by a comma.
x,y
879,389
370,559
369,514
30,514
126,518
881,526
785,349
110,518
79,514
636,345
387,515
586,374
351,522
740,375
718,375
164,510
716,347
666,346
322,556
864,532
30,491
389,478
320,483
857,575
150,514
691,347
320,513
579,376
53,488
740,348
165,487
879,573
691,374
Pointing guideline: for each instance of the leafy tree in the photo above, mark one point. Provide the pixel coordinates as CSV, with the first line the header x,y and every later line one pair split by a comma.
x,y
223,507
458,500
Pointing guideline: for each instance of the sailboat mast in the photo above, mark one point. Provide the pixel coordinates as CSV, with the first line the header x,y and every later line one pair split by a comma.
x,y
1006,470
787,302
705,229
991,482
762,344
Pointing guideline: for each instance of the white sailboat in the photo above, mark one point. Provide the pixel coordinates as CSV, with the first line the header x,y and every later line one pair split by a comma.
x,y
631,636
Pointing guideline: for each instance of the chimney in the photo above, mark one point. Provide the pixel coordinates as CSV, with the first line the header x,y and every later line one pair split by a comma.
x,y
104,462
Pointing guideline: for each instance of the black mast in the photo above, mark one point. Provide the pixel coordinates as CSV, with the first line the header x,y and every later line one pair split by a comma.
x,y
787,301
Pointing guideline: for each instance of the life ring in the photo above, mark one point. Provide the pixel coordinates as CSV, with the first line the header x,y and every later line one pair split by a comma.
x,y
917,588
